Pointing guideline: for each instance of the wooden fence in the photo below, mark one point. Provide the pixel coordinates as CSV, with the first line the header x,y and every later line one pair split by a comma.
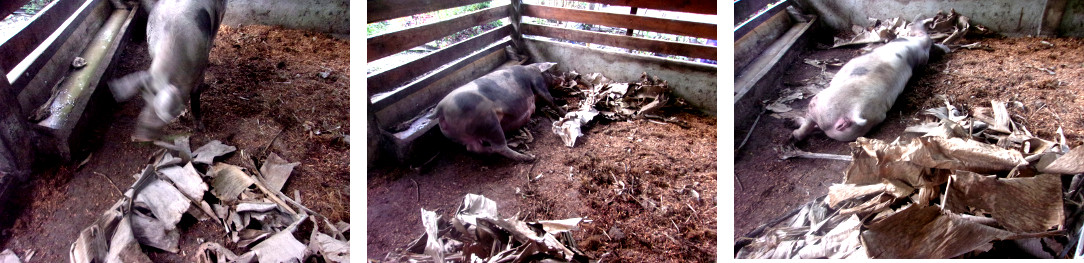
x,y
23,43
391,82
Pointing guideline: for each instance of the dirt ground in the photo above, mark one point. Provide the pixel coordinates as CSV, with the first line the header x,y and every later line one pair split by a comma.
x,y
263,81
1009,69
653,161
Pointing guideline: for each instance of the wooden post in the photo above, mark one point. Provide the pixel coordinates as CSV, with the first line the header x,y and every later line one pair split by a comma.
x,y
517,33
16,150
628,31
1052,18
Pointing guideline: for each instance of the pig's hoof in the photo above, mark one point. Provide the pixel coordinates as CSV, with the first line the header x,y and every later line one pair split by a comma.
x,y
524,157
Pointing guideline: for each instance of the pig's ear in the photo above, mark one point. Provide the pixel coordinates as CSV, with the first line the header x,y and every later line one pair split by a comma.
x,y
543,66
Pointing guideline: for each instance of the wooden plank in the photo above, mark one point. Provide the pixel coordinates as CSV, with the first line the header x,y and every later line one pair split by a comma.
x,y
760,79
741,30
9,6
393,78
24,42
380,10
688,6
1052,17
661,25
635,43
421,83
50,50
388,44
697,83
744,9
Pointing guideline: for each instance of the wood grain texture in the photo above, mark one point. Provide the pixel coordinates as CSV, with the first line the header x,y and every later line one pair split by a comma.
x,y
388,44
426,81
635,43
660,25
392,78
20,45
380,10
9,6
688,6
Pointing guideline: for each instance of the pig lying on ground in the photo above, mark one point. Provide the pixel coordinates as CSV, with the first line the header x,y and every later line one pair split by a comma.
x,y
179,38
861,93
479,113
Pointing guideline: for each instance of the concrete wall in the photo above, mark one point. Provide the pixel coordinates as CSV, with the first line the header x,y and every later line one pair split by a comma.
x,y
1008,17
696,83
1072,22
329,16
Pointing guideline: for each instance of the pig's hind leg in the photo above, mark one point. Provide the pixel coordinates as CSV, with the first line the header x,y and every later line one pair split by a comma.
x,y
807,127
542,93
197,112
493,141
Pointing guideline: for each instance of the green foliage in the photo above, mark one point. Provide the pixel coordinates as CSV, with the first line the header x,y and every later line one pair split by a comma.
x,y
34,6
376,28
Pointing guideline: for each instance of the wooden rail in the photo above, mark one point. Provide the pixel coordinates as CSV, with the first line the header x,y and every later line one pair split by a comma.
x,y
389,44
622,41
380,10
430,79
9,6
741,30
661,25
687,6
23,43
389,79
744,9
412,79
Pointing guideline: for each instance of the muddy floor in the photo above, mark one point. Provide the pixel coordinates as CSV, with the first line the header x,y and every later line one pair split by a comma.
x,y
263,81
611,177
1042,74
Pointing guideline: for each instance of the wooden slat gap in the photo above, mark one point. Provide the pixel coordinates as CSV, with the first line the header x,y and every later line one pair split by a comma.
x,y
621,41
687,6
644,23
392,78
30,37
389,44
416,85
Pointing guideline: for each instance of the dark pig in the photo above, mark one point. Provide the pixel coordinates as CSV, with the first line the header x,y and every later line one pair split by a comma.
x,y
479,113
179,37
861,93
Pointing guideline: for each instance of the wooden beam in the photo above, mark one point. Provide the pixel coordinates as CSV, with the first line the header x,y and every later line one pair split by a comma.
x,y
1052,17
380,10
393,78
388,44
426,81
687,6
742,29
635,43
27,39
47,54
661,25
9,6
744,9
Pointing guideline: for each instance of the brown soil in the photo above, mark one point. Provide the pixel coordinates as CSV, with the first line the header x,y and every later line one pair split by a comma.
x,y
653,161
263,80
1007,71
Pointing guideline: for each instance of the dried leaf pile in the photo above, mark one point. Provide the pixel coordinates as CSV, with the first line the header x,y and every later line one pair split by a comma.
x,y
255,216
478,234
968,182
600,95
945,29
